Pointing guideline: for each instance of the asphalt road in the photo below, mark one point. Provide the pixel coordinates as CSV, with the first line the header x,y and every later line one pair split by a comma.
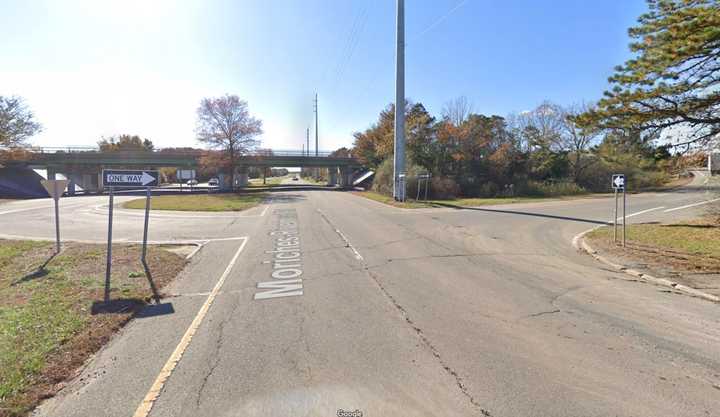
x,y
431,312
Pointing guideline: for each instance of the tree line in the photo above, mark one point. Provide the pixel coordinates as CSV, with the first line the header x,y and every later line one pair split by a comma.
x,y
663,102
540,151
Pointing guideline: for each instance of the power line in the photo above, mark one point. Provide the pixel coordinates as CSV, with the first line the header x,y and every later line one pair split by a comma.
x,y
348,50
343,49
351,45
438,21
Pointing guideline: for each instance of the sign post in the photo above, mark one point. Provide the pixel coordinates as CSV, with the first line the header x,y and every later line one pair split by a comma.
x,y
148,275
400,190
618,185
423,177
113,178
56,188
108,261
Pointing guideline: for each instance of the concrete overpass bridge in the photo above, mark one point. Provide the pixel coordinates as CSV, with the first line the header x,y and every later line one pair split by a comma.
x,y
83,166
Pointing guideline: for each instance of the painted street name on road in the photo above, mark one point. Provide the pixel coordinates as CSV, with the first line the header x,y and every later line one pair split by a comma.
x,y
287,259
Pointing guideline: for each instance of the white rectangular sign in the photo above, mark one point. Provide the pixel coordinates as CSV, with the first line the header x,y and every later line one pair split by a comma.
x,y
186,174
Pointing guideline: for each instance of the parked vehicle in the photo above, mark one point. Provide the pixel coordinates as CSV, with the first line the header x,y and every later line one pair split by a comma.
x,y
192,183
214,182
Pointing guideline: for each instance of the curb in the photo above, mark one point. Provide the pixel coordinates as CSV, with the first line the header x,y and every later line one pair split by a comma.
x,y
580,244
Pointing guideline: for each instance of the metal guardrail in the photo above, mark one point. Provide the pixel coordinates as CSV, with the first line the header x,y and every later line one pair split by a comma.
x,y
259,152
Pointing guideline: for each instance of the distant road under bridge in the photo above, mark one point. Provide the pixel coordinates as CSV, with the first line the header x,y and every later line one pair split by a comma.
x,y
83,166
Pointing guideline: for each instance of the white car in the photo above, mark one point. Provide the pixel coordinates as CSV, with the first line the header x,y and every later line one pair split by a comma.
x,y
192,182
213,182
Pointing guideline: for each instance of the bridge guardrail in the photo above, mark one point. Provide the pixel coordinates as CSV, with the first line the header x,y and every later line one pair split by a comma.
x,y
259,152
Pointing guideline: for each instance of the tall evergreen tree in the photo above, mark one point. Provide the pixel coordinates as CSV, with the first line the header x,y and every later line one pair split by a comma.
x,y
673,80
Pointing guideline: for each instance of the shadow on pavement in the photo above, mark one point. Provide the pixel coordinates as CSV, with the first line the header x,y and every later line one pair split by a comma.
x,y
522,213
286,198
127,305
154,310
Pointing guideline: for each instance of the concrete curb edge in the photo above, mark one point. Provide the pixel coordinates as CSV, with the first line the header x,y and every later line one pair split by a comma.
x,y
581,244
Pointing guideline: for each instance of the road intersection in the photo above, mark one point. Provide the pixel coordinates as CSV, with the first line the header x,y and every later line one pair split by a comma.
x,y
427,312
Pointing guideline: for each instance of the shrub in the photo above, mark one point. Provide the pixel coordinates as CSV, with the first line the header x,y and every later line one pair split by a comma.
x,y
548,189
383,181
444,188
646,179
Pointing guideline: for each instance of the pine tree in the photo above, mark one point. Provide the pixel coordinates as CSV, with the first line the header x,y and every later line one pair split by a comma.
x,y
673,81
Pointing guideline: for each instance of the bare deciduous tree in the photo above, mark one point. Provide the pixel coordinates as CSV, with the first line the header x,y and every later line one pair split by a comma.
x,y
17,122
457,110
547,121
224,123
577,141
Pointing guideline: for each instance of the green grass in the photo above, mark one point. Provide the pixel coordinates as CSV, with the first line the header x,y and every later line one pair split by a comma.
x,y
45,312
697,237
461,202
200,202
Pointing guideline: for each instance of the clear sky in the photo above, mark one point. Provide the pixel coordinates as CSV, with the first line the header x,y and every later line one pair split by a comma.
x,y
92,68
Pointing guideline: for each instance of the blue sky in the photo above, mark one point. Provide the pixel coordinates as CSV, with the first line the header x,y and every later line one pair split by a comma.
x,y
92,68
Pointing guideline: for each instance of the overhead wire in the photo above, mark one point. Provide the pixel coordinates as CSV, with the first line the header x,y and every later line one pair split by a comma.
x,y
434,24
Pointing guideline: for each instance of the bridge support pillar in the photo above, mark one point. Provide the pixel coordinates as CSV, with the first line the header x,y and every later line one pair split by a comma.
x,y
86,181
51,173
332,176
345,177
223,182
241,177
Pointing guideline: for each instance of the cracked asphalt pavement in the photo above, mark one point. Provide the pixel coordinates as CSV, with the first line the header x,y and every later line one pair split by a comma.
x,y
427,312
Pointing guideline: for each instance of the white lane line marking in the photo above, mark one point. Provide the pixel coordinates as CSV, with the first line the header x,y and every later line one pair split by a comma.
x,y
224,239
691,205
49,207
641,212
146,405
343,237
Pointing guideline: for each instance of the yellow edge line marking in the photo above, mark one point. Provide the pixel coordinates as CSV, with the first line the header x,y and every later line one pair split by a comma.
x,y
146,405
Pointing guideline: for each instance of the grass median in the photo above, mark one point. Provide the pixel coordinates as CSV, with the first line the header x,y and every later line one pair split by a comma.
x,y
200,202
689,246
455,202
686,252
48,326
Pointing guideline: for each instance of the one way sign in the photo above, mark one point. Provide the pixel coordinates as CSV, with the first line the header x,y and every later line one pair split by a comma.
x,y
618,181
134,178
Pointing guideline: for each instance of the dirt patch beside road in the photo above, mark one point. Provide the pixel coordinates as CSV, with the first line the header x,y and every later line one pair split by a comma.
x,y
48,326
